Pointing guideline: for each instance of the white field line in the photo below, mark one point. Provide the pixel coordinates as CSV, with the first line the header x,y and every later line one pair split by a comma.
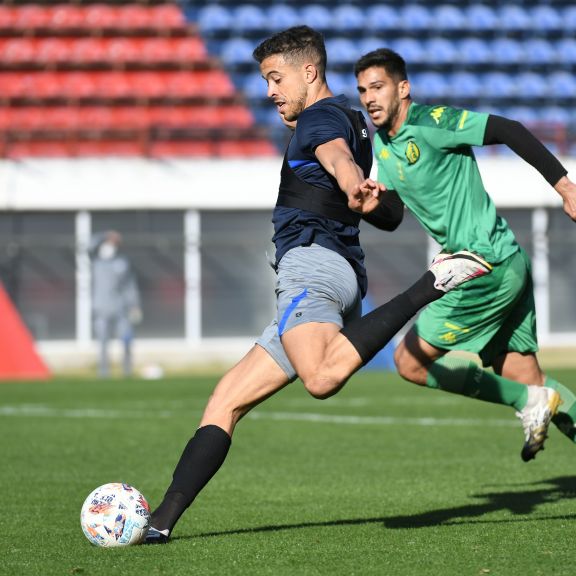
x,y
38,410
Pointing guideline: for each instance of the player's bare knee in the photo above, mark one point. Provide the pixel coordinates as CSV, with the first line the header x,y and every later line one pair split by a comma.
x,y
322,387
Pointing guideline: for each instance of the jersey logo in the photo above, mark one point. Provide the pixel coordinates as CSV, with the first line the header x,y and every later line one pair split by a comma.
x,y
384,154
437,113
412,152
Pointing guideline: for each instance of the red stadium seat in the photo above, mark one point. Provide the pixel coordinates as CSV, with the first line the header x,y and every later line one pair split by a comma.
x,y
184,148
130,117
101,16
53,50
235,116
96,117
88,50
105,147
5,117
77,84
67,16
147,84
7,17
188,49
157,50
112,85
17,50
31,16
134,16
47,149
122,50
246,148
167,16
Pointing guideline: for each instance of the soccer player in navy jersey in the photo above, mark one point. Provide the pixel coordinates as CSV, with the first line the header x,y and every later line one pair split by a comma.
x,y
321,277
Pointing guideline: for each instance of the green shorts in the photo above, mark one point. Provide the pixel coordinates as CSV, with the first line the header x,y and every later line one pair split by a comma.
x,y
488,316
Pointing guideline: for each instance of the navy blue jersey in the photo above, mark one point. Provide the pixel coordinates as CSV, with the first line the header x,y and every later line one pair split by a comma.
x,y
322,122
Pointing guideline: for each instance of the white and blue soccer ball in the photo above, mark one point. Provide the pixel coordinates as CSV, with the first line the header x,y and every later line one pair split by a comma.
x,y
115,514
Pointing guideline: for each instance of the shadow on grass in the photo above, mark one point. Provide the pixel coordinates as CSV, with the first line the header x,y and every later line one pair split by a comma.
x,y
519,503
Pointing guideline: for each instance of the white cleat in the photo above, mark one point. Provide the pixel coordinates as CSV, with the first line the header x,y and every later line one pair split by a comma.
x,y
536,416
452,270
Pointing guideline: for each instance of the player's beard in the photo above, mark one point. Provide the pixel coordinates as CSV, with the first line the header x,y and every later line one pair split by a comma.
x,y
392,115
296,107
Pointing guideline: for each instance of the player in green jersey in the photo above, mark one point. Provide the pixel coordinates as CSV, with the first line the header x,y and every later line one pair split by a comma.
x,y
425,154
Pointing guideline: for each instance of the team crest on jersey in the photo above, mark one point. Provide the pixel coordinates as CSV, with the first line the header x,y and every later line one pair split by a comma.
x,y
412,152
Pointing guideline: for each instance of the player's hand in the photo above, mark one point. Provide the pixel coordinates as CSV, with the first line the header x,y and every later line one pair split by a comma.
x,y
567,189
365,196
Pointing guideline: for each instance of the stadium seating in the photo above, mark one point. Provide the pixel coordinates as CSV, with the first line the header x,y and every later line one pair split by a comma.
x,y
158,63
123,79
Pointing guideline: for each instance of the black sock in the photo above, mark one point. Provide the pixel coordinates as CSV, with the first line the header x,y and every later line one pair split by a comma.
x,y
372,332
201,459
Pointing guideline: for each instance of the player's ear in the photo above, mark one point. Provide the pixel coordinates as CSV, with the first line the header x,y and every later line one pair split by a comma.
x,y
404,88
310,73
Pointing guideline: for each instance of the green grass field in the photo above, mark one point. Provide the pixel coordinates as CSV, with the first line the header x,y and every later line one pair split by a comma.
x,y
385,479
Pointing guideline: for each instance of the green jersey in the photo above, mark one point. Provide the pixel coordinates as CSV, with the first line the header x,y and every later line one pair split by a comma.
x,y
430,163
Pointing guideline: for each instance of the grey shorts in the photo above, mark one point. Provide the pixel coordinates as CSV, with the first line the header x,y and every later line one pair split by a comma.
x,y
314,284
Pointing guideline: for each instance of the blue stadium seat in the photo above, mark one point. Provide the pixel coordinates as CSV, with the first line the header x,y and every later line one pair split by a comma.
x,y
474,51
566,51
530,85
440,51
282,16
569,17
237,51
480,17
429,85
524,114
446,17
410,49
341,51
249,17
465,85
254,86
316,16
546,18
382,17
562,85
339,83
214,18
539,51
370,44
415,17
347,17
512,17
556,115
498,85
507,51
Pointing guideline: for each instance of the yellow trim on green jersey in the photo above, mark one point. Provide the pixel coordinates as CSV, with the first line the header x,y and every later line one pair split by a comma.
x,y
430,163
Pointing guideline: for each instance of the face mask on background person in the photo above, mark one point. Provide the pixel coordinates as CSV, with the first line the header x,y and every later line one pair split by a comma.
x,y
107,251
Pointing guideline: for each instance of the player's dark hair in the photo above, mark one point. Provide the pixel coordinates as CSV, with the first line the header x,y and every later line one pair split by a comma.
x,y
295,44
391,61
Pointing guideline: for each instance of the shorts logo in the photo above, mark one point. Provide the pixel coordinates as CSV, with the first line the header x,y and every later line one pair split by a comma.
x,y
451,336
412,152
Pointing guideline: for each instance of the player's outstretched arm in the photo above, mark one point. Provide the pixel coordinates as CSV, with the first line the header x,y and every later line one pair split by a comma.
x,y
337,159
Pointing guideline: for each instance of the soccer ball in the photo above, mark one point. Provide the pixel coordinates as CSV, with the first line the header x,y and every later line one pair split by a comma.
x,y
115,514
